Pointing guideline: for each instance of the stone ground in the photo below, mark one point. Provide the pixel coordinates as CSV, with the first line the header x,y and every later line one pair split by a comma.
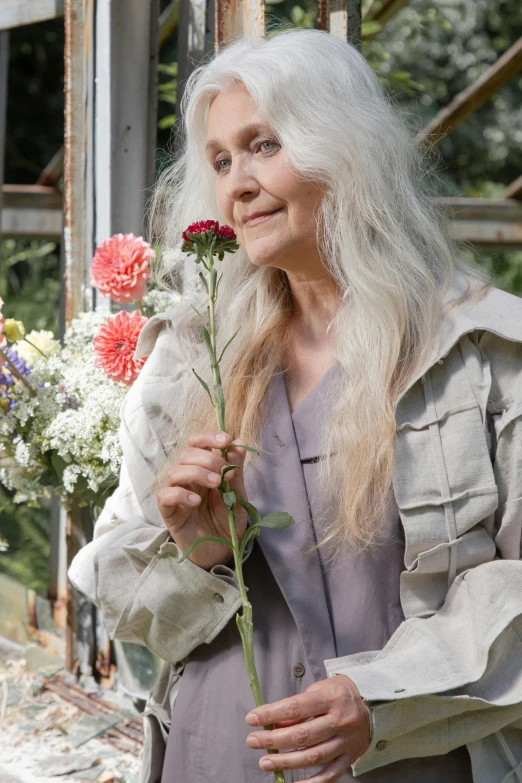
x,y
46,739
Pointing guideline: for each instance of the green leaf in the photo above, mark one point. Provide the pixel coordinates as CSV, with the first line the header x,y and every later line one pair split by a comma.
x,y
205,334
277,519
253,513
240,446
167,121
226,346
229,499
203,280
224,470
251,532
371,27
205,385
197,311
200,540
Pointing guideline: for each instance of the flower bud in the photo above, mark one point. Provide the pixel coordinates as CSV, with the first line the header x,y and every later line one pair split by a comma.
x,y
13,330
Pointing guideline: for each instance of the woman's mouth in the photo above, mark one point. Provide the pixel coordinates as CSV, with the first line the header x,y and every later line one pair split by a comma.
x,y
255,221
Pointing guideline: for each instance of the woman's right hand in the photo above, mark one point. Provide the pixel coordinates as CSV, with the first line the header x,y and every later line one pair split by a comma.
x,y
192,506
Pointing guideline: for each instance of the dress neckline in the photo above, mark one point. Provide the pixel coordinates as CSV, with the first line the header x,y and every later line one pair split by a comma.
x,y
312,391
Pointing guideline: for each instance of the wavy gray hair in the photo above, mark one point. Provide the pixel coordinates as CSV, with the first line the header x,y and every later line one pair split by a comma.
x,y
385,242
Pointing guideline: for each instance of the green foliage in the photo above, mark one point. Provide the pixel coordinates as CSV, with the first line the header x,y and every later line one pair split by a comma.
x,y
26,531
167,92
505,267
29,283
446,47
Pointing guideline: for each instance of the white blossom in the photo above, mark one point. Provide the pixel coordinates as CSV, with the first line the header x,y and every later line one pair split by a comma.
x,y
66,434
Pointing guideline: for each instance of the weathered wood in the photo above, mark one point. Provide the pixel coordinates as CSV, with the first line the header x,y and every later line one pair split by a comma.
x,y
15,13
126,113
57,588
382,12
341,18
494,224
53,171
31,212
472,98
196,39
4,67
31,223
34,196
78,206
78,248
515,189
234,18
354,23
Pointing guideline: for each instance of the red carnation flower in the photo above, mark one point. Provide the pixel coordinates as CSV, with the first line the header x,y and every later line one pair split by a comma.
x,y
114,346
208,225
121,266
207,234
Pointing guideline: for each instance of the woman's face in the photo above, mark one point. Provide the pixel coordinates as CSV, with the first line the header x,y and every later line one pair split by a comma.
x,y
252,175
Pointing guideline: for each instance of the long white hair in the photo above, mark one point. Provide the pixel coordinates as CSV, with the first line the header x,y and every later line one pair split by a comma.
x,y
382,238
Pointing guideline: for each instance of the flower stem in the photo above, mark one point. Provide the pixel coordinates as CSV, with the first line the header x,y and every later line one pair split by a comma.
x,y
18,375
244,621
34,346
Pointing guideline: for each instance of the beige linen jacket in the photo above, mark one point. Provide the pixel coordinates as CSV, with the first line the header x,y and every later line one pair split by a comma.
x,y
452,672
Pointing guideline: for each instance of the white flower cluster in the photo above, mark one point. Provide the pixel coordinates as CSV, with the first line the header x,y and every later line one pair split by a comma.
x,y
65,433
157,301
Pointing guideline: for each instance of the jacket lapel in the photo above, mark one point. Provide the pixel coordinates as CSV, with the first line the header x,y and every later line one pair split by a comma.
x,y
274,481
497,312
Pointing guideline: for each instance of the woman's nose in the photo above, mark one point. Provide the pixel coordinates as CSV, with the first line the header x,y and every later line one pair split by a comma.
x,y
240,181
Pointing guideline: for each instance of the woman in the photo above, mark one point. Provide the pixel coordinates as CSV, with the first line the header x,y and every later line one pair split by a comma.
x,y
380,379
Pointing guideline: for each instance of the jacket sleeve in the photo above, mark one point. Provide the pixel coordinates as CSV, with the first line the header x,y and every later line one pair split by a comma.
x,y
130,570
455,677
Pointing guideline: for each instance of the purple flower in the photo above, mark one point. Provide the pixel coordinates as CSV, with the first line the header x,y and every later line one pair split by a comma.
x,y
6,380
18,362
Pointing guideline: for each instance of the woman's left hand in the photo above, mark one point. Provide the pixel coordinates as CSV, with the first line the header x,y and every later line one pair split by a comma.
x,y
337,735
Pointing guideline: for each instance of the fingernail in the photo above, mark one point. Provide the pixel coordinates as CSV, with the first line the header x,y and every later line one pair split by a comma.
x,y
252,719
267,764
252,742
193,498
222,437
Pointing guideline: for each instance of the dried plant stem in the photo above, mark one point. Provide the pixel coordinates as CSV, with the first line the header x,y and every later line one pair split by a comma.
x,y
244,621
18,375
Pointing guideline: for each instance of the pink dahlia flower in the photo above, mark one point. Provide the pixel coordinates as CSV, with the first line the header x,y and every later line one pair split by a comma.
x,y
121,266
114,346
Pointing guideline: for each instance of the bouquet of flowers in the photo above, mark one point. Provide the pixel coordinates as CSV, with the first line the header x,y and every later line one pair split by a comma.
x,y
60,404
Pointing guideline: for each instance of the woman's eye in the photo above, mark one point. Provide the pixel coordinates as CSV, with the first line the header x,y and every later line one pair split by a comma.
x,y
267,141
217,166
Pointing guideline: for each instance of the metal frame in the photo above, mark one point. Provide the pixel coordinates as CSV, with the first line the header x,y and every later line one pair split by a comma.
x,y
4,66
15,13
473,97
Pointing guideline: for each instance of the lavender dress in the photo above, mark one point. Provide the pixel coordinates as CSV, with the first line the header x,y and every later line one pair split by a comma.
x,y
304,610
